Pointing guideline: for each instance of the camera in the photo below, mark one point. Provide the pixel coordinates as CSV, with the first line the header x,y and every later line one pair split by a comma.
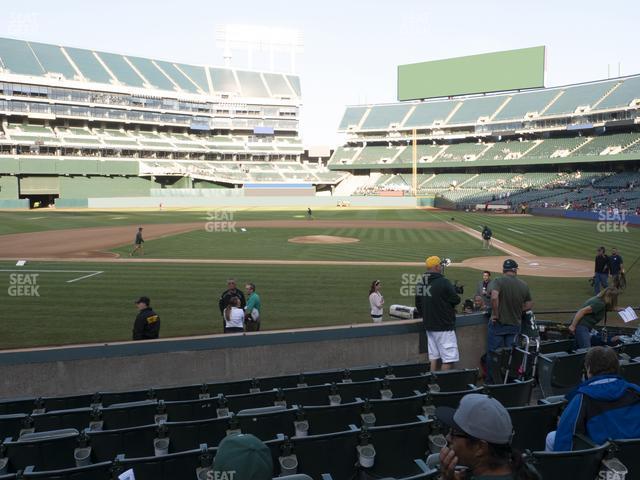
x,y
458,288
445,262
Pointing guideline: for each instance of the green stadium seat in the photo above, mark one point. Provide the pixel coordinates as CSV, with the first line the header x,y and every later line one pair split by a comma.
x,y
324,419
560,372
630,370
455,380
448,399
78,418
251,84
124,415
382,116
132,442
11,424
621,96
398,447
408,386
627,452
527,102
267,425
398,410
44,450
167,467
97,471
185,410
574,464
334,454
531,424
352,117
631,349
515,394
578,96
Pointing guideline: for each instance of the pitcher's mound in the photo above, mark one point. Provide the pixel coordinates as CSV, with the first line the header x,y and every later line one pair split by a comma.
x,y
323,239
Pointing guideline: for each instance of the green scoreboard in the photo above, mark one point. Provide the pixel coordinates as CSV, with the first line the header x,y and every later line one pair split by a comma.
x,y
489,72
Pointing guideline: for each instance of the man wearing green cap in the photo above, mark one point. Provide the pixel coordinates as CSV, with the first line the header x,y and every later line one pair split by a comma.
x,y
243,457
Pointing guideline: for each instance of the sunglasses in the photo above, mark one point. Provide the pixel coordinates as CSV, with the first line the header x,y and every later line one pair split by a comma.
x,y
453,432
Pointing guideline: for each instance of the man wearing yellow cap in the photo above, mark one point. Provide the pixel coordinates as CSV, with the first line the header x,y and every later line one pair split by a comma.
x,y
436,299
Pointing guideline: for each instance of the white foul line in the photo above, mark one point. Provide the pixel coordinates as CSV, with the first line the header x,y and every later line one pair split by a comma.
x,y
86,276
90,272
514,230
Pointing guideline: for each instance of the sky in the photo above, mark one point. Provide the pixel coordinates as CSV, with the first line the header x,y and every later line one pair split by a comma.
x,y
351,47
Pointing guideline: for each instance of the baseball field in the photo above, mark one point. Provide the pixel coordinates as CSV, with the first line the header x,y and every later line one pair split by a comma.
x,y
79,283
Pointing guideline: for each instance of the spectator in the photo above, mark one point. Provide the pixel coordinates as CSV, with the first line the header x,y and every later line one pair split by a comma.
x,y
616,267
376,301
436,299
479,438
246,456
147,324
475,305
483,288
592,312
233,316
601,275
510,298
603,407
252,309
226,296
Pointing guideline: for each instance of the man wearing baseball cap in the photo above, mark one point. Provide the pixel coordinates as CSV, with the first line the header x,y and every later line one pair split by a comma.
x,y
436,299
244,455
147,323
510,298
479,438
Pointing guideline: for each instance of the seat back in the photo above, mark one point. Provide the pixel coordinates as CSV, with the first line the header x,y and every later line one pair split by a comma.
x,y
78,418
531,424
131,442
397,448
267,426
43,453
630,371
188,410
334,453
167,467
515,394
560,372
455,380
407,386
129,414
17,405
97,471
11,424
627,451
449,399
349,392
398,410
575,464
407,369
327,419
631,349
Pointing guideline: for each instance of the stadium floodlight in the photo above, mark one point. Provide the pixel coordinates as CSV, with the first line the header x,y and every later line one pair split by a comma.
x,y
261,39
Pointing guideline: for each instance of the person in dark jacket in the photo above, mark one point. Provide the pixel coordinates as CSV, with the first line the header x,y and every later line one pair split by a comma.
x,y
227,295
147,324
601,271
436,299
603,407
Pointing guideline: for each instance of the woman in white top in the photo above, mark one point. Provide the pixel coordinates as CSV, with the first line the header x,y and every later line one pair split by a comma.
x,y
376,300
233,317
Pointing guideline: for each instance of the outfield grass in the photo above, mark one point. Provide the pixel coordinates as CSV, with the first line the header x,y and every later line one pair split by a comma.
x,y
100,308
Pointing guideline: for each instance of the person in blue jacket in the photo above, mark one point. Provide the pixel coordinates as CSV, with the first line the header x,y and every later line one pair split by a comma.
x,y
603,407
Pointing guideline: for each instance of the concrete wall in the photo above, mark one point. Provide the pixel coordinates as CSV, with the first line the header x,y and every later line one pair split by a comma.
x,y
136,365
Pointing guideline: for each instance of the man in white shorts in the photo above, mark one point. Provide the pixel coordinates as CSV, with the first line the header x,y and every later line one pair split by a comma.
x,y
436,299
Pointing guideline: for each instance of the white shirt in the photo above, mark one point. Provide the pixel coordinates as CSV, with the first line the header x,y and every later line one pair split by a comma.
x,y
236,318
376,301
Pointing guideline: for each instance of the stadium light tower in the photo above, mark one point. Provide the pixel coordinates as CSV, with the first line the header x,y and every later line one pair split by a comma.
x,y
261,39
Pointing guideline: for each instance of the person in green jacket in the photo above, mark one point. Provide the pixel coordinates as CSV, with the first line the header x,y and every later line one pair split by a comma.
x,y
252,309
592,312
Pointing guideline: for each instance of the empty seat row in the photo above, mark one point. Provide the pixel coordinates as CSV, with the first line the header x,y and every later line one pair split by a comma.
x,y
190,392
